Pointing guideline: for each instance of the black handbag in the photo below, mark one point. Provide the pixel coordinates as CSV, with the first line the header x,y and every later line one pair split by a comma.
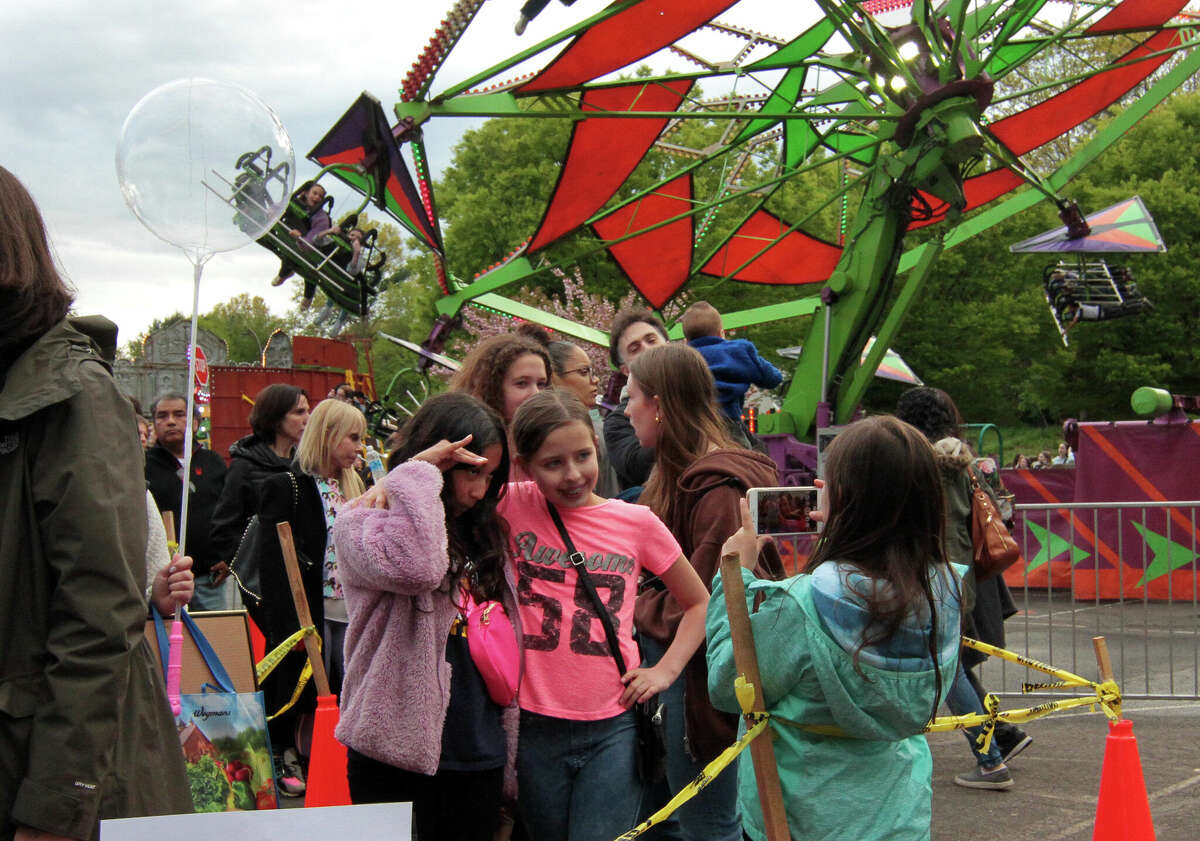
x,y
247,560
647,716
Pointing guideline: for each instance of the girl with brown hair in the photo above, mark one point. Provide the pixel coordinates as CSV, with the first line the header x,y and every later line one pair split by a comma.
x,y
576,756
504,371
858,650
698,479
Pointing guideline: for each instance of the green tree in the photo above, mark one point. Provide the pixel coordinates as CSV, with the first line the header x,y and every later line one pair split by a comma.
x,y
245,322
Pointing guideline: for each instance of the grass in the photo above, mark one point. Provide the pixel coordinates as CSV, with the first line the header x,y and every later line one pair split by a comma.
x,y
1029,440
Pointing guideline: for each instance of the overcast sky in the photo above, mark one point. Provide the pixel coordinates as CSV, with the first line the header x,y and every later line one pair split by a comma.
x,y
74,74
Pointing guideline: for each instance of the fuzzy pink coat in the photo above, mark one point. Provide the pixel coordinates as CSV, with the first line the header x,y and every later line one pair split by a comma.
x,y
393,566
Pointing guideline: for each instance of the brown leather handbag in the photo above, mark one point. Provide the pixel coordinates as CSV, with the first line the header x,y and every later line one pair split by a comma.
x,y
995,549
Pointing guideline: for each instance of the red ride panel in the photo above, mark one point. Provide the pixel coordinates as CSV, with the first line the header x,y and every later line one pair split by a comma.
x,y
603,152
624,38
658,262
797,258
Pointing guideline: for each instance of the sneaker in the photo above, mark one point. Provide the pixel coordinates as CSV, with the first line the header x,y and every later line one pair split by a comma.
x,y
1015,745
289,776
998,779
277,280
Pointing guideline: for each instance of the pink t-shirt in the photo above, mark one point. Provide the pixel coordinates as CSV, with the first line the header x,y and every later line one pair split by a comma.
x,y
569,669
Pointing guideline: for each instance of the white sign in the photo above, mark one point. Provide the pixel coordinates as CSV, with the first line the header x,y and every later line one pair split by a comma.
x,y
377,822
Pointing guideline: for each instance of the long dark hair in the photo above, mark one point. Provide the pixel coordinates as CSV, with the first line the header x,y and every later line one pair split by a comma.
x,y
885,518
33,298
691,422
478,535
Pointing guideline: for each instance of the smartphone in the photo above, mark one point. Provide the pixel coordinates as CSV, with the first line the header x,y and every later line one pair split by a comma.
x,y
783,510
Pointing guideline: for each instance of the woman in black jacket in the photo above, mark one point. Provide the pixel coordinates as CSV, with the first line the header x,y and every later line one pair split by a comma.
x,y
278,419
307,495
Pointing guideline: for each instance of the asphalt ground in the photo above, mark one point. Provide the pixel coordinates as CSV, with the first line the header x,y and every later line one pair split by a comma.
x,y
1057,779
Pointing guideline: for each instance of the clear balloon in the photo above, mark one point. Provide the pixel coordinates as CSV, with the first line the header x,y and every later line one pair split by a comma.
x,y
206,166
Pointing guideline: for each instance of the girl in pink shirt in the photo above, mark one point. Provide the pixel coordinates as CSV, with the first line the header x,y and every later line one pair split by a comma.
x,y
576,757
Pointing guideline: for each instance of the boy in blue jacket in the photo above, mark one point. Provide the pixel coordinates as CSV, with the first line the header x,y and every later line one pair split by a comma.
x,y
735,363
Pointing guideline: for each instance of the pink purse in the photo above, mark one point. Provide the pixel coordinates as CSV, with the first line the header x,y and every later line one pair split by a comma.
x,y
492,641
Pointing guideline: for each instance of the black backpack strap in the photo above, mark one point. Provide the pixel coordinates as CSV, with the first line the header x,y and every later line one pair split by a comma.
x,y
579,561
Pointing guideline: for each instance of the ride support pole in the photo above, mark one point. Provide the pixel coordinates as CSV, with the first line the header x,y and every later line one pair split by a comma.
x,y
762,749
311,645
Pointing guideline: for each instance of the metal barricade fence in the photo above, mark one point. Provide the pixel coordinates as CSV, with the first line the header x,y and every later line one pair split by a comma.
x,y
1124,570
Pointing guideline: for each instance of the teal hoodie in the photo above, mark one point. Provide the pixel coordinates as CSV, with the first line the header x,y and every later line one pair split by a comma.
x,y
873,782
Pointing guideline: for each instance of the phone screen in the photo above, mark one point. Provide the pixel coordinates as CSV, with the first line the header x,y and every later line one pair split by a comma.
x,y
783,510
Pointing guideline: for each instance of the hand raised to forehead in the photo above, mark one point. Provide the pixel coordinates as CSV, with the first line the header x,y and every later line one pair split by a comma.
x,y
446,454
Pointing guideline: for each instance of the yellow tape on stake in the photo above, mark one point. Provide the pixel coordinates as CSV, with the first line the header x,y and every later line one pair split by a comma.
x,y
1107,697
1065,676
268,663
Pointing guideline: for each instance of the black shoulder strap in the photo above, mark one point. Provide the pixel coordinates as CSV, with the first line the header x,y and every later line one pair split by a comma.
x,y
580,563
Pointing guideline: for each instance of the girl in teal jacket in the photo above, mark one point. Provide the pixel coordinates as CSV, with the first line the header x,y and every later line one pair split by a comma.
x,y
863,643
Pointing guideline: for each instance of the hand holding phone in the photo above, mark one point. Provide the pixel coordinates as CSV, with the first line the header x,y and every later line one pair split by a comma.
x,y
785,510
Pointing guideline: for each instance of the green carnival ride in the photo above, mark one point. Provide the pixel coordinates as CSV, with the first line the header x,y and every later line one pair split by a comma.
x,y
924,111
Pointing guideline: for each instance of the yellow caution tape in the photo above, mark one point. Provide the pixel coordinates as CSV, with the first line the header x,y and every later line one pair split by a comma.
x,y
710,772
267,665
1107,697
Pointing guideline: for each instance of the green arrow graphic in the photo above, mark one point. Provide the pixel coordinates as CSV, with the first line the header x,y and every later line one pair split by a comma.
x,y
1168,555
1050,546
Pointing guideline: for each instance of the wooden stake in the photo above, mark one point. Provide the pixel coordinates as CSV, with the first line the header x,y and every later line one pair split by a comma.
x,y
762,749
1102,659
168,518
311,646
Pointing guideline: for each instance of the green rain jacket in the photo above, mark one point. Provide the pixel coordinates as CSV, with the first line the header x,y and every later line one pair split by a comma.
x,y
873,782
85,729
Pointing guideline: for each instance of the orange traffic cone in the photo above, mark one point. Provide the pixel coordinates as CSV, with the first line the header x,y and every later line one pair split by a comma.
x,y
327,783
258,643
1123,811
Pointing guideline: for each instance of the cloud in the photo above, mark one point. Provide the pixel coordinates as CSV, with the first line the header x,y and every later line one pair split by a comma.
x,y
74,75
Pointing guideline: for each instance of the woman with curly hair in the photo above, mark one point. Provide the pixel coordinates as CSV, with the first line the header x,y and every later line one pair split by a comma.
x,y
986,604
504,371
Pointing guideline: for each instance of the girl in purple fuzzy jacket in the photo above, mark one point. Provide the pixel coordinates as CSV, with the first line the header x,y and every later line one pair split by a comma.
x,y
415,712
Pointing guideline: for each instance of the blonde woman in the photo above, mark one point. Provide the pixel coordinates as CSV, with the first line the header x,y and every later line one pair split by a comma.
x,y
307,496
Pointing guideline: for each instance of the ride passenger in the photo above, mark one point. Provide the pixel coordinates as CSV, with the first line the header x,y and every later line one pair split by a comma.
x,y
864,643
576,760
313,233
412,551
699,476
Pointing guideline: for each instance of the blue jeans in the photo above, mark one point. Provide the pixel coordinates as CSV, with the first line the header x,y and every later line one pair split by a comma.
x,y
712,815
579,780
208,596
962,700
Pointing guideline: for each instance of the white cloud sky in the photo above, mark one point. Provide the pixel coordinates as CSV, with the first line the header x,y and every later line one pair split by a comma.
x,y
73,74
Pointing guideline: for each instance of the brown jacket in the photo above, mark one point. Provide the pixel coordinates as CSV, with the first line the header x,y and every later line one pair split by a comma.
x,y
706,514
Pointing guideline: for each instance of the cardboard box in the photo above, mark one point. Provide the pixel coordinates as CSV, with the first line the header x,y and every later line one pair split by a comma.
x,y
229,635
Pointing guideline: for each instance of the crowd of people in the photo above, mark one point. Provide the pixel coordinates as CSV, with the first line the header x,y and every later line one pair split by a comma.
x,y
1064,457
593,543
